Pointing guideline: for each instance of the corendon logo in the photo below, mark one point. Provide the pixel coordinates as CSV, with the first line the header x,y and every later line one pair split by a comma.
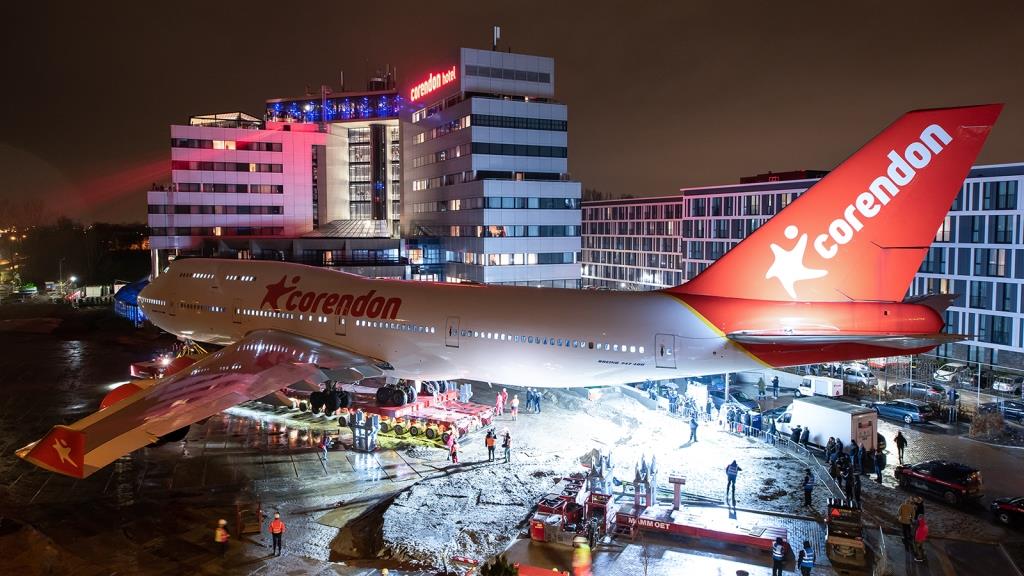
x,y
788,265
433,82
281,296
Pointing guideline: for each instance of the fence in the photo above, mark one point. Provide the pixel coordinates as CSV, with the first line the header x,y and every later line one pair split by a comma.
x,y
794,449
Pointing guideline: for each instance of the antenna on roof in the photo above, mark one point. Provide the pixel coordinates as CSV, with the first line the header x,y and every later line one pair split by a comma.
x,y
497,36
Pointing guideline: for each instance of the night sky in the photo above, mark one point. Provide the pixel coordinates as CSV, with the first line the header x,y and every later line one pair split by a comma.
x,y
661,95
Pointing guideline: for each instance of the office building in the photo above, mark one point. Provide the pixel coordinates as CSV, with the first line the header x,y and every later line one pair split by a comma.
x,y
486,192
978,253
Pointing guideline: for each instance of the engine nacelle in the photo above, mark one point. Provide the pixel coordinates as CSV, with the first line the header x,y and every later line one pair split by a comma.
x,y
123,391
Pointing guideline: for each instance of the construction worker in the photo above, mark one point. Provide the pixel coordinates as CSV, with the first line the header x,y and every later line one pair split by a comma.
x,y
455,452
277,529
489,441
806,559
580,557
515,406
693,428
537,396
504,398
775,387
731,472
778,556
506,443
499,405
221,536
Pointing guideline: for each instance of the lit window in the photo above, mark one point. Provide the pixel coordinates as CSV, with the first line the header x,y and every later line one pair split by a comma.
x,y
641,349
632,349
615,347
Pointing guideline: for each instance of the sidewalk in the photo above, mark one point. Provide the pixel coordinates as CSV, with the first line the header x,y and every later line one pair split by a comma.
x,y
948,558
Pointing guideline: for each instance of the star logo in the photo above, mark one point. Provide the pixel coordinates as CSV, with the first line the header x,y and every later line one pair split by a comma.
x,y
788,266
276,290
63,451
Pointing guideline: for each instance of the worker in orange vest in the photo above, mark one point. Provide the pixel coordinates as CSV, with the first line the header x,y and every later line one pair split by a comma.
x,y
489,441
277,528
221,536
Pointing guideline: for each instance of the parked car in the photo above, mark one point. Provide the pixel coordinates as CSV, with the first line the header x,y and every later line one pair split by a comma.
x,y
954,483
1008,384
909,411
1013,410
859,375
923,391
954,374
1008,510
737,397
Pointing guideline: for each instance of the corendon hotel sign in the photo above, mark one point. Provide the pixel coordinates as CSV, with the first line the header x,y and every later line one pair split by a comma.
x,y
433,82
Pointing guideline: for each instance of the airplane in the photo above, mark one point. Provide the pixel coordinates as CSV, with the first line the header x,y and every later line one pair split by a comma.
x,y
822,281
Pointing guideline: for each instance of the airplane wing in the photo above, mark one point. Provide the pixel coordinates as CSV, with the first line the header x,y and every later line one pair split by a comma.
x,y
894,341
260,363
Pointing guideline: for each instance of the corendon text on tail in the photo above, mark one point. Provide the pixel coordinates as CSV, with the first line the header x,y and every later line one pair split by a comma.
x,y
822,281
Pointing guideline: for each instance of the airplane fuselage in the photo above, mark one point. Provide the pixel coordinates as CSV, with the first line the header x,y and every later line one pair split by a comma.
x,y
503,334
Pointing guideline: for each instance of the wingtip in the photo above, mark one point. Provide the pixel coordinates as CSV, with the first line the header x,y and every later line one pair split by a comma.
x,y
61,450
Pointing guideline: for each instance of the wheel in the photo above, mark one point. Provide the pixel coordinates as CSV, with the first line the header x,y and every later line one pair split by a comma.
x,y
907,419
1003,518
431,433
950,497
316,401
414,430
798,394
399,429
445,436
343,421
344,399
385,426
303,406
903,482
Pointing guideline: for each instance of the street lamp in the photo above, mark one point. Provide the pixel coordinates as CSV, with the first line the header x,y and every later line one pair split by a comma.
x,y
73,279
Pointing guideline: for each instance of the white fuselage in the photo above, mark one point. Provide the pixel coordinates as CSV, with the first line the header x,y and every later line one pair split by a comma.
x,y
429,331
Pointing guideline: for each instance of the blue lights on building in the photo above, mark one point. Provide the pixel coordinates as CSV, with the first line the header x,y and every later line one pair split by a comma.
x,y
338,109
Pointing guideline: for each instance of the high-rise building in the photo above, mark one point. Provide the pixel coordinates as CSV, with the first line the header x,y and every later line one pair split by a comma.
x,y
486,190
316,181
978,252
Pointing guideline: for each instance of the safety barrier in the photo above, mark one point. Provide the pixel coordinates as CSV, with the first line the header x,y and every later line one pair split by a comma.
x,y
794,449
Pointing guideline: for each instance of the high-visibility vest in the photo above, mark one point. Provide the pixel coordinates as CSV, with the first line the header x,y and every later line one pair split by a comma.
x,y
809,483
808,560
731,470
221,535
276,526
778,552
581,560
489,441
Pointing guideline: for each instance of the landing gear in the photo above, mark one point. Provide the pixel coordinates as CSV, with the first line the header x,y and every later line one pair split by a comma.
x,y
329,400
400,394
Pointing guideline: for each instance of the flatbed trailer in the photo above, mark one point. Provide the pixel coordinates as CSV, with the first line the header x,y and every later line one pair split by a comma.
x,y
630,520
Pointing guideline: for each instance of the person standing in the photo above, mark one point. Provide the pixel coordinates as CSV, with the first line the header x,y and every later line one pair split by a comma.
x,y
709,407
221,536
489,442
506,444
693,428
537,396
499,406
775,387
805,435
806,559
504,398
515,407
731,471
778,556
277,529
760,389
856,488
858,458
901,445
455,452
772,432
879,465
325,443
450,442
920,535
905,515
809,482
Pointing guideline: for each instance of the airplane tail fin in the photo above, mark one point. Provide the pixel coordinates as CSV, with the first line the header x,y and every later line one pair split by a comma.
x,y
862,231
62,450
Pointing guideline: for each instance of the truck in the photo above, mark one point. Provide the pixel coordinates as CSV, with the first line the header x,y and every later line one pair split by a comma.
x,y
827,417
820,386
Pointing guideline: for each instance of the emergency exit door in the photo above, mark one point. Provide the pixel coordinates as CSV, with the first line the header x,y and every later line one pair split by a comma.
x,y
451,334
665,351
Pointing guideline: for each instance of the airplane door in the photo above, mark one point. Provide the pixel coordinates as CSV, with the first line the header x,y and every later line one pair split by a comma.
x,y
451,335
664,350
237,309
339,326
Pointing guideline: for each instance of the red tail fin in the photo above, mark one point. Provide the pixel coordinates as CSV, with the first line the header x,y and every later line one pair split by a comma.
x,y
61,450
862,231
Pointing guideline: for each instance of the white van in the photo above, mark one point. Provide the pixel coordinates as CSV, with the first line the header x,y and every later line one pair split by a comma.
x,y
820,386
953,373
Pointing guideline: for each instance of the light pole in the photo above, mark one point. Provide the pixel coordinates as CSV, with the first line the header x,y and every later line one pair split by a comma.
x,y
60,276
